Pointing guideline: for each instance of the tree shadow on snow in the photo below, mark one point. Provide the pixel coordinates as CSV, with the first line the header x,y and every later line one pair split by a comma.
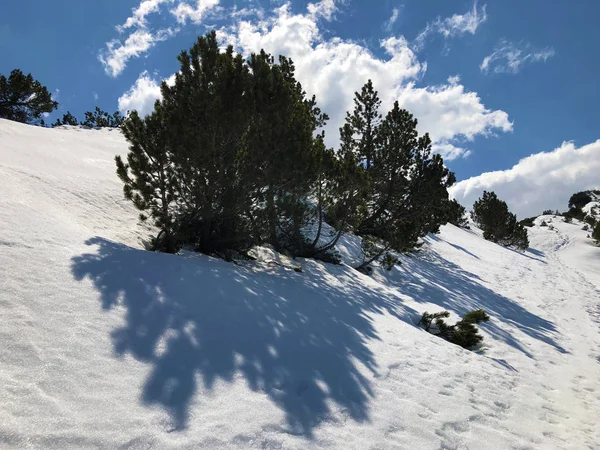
x,y
299,338
433,279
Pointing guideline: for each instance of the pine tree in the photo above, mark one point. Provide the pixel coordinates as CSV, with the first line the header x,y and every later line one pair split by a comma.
x,y
208,112
428,193
364,124
498,224
230,155
24,99
408,195
457,214
596,233
393,164
67,119
102,119
149,176
284,156
342,195
579,200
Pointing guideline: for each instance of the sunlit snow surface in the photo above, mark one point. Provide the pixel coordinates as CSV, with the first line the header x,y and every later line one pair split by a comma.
x,y
105,345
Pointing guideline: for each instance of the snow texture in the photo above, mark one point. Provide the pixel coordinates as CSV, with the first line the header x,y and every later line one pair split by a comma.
x,y
105,345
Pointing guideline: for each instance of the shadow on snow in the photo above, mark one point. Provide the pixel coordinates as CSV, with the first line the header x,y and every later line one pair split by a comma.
x,y
433,279
299,338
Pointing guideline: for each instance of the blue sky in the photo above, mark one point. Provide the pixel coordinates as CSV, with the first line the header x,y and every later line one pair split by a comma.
x,y
493,82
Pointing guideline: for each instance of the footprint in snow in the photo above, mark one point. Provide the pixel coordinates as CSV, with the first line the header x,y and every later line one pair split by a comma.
x,y
502,406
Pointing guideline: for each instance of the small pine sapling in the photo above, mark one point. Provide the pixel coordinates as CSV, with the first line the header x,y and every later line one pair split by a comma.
x,y
428,319
389,261
463,333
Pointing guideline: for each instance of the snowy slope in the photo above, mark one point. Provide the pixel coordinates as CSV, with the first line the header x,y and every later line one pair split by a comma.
x,y
105,345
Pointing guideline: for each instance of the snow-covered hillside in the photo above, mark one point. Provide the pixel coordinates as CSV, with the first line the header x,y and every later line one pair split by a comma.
x,y
106,345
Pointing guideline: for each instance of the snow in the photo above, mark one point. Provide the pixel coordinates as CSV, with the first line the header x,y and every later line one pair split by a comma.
x,y
592,207
107,345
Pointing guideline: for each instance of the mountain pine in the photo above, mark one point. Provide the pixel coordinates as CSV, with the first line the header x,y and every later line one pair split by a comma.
x,y
498,224
24,99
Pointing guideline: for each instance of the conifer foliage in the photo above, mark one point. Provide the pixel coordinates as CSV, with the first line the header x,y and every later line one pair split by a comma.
x,y
596,233
579,200
457,214
405,191
24,99
233,156
93,119
67,119
498,224
102,119
463,333
229,155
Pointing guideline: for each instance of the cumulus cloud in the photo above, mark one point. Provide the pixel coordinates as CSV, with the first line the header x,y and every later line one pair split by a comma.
x,y
142,37
448,111
541,181
333,69
453,26
510,58
142,95
194,13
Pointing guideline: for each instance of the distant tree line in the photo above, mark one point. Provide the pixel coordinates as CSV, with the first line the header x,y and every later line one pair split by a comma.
x,y
24,99
93,119
233,155
576,205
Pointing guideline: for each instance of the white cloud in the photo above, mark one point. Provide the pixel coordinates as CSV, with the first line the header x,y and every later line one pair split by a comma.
x,y
541,181
323,8
448,111
142,95
139,14
509,58
333,69
95,95
453,26
450,151
388,26
184,11
117,53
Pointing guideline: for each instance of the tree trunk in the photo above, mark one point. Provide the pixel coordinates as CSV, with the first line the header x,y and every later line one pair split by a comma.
x,y
272,218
